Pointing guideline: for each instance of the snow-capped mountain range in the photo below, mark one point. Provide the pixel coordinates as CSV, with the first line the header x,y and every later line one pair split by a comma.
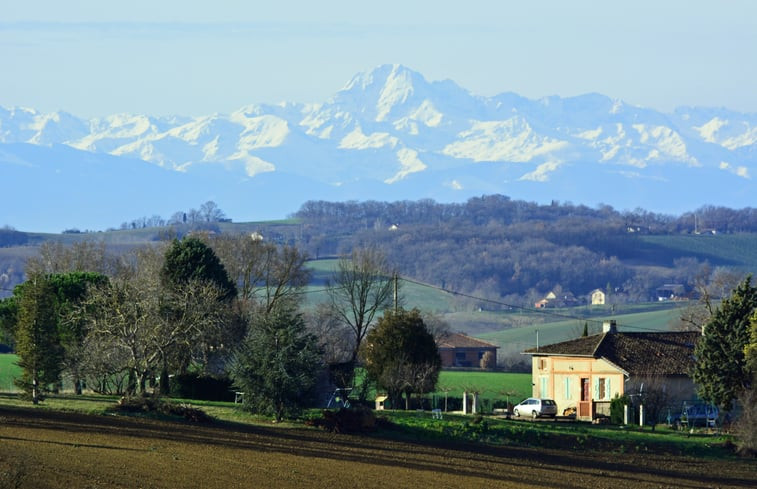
x,y
389,134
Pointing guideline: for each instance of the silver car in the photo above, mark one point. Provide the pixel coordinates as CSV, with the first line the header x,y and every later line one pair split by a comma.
x,y
536,407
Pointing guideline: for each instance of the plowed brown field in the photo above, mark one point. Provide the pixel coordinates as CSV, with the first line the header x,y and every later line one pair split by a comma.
x,y
45,449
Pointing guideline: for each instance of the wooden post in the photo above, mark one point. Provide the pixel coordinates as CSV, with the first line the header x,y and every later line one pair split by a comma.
x,y
641,415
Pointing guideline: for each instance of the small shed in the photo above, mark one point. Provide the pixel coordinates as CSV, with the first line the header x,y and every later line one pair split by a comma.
x,y
380,400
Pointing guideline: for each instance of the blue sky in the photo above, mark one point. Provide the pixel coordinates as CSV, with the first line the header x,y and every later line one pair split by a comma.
x,y
94,58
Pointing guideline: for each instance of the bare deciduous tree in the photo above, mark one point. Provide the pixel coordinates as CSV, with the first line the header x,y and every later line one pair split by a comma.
x,y
711,286
128,316
361,287
84,256
265,274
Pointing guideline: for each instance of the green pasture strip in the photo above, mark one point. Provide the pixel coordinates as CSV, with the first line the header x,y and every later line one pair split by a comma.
x,y
570,435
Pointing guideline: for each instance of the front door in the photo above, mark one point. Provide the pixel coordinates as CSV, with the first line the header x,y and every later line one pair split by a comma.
x,y
584,405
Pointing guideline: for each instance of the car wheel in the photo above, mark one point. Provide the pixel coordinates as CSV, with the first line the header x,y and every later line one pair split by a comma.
x,y
516,413
534,414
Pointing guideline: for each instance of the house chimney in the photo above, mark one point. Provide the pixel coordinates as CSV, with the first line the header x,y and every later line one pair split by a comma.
x,y
609,326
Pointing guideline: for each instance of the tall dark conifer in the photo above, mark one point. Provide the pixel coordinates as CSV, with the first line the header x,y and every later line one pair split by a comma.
x,y
720,370
38,347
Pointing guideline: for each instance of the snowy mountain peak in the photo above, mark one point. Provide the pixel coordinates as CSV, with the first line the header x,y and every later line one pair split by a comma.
x,y
380,90
391,128
378,77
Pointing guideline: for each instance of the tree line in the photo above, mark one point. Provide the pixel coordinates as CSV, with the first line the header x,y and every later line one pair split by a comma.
x,y
517,251
224,307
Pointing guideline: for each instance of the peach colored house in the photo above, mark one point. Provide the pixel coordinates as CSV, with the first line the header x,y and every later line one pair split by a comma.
x,y
588,372
459,350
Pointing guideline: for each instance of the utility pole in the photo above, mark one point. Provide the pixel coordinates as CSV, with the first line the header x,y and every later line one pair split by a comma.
x,y
396,293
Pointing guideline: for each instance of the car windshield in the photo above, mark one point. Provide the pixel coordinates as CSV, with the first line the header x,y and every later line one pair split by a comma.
x,y
548,402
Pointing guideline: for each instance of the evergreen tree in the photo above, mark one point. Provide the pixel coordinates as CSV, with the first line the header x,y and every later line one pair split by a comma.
x,y
70,291
191,266
191,259
277,364
401,356
40,354
750,351
720,370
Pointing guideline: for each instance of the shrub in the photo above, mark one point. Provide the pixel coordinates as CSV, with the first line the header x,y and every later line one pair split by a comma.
x,y
194,386
156,405
746,425
617,409
346,420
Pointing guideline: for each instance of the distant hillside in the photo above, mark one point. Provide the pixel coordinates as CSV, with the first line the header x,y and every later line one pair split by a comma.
x,y
500,249
491,247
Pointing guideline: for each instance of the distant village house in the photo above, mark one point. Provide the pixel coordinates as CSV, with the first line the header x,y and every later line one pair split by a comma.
x,y
562,299
597,297
459,350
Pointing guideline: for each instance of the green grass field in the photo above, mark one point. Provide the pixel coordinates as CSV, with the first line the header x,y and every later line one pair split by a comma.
x,y
489,385
8,372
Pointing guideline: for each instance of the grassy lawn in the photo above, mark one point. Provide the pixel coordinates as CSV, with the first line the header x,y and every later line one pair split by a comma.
x,y
568,435
8,371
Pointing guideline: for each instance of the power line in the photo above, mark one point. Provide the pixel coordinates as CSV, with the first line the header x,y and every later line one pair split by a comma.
x,y
500,303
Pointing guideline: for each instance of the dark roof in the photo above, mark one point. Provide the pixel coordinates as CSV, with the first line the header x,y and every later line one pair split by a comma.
x,y
664,353
459,340
584,346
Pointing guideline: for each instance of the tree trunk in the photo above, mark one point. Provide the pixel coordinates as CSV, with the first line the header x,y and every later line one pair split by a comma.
x,y
165,383
143,382
131,387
